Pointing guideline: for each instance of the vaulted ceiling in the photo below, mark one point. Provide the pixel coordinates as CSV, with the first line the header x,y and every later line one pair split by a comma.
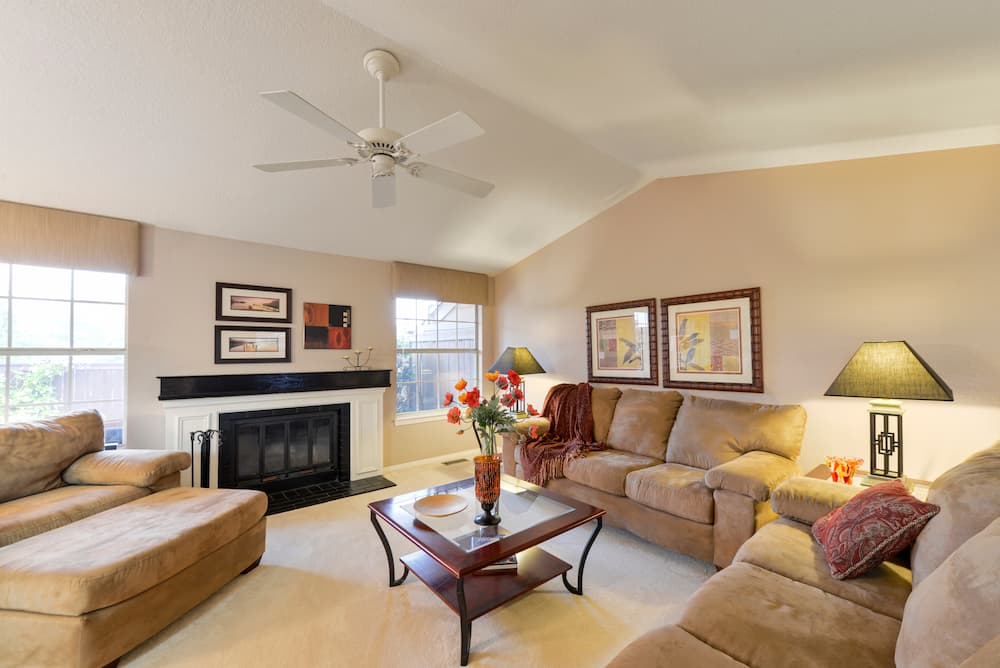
x,y
149,110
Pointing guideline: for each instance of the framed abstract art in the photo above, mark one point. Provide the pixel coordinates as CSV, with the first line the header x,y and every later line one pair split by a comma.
x,y
327,326
621,343
712,341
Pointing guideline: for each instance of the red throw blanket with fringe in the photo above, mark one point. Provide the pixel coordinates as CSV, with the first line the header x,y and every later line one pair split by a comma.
x,y
570,435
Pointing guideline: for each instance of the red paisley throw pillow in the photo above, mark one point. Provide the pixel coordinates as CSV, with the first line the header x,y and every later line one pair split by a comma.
x,y
876,524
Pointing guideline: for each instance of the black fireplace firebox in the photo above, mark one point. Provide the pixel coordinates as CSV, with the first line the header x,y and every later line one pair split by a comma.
x,y
278,449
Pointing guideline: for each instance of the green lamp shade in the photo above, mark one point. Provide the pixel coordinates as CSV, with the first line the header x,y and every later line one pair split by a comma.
x,y
889,370
519,359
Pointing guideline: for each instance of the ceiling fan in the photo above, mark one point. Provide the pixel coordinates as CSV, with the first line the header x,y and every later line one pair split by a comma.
x,y
382,148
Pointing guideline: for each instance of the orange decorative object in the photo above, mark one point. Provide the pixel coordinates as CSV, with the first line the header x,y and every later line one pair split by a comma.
x,y
842,468
461,384
487,488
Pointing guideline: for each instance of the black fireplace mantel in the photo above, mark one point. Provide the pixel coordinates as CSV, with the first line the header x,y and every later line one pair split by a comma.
x,y
243,384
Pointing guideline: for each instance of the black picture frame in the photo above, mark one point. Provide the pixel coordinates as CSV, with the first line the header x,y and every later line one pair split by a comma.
x,y
226,337
226,309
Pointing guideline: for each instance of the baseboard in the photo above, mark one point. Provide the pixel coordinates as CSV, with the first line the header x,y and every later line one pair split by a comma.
x,y
433,460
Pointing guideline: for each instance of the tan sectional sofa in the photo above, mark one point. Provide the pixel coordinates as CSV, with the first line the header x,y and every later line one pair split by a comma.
x,y
778,605
101,550
692,474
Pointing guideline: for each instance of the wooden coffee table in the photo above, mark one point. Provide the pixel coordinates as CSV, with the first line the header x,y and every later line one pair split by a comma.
x,y
453,548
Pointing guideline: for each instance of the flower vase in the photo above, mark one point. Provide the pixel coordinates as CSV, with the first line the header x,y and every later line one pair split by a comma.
x,y
488,488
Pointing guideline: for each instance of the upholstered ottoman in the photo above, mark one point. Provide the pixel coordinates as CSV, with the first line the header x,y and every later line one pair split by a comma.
x,y
86,593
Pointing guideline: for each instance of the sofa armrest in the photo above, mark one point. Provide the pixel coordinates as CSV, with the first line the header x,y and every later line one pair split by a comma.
x,y
142,468
754,474
808,499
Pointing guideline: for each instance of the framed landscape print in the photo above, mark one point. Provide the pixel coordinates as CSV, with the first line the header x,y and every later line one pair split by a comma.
x,y
712,341
621,343
252,303
243,345
327,326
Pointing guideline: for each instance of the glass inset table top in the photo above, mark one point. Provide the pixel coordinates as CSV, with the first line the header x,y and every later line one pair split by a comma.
x,y
519,509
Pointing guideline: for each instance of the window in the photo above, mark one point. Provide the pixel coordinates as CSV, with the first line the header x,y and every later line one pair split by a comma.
x,y
436,344
62,344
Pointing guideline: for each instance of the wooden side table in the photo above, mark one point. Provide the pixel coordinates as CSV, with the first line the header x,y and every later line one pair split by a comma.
x,y
918,488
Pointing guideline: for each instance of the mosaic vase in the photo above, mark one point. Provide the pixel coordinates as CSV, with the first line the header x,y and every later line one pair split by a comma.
x,y
488,488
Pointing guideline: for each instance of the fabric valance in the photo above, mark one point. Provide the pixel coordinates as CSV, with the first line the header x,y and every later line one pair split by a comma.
x,y
52,237
447,285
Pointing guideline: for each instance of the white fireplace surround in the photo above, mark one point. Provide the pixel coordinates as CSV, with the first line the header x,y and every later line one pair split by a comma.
x,y
184,416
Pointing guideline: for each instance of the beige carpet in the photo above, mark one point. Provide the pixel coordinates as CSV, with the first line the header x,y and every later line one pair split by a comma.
x,y
320,598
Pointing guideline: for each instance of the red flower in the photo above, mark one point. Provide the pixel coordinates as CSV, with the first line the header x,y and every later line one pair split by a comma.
x,y
514,377
507,400
518,394
502,383
454,415
448,398
472,398
532,410
534,431
460,385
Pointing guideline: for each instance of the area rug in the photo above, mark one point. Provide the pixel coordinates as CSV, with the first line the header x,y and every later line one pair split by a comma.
x,y
320,598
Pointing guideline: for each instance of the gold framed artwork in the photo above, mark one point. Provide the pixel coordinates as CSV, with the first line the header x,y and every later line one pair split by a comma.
x,y
621,343
712,341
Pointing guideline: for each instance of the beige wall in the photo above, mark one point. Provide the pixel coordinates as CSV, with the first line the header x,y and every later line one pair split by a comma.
x,y
172,317
903,247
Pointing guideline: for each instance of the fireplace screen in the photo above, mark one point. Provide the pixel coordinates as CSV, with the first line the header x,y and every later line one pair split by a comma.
x,y
262,449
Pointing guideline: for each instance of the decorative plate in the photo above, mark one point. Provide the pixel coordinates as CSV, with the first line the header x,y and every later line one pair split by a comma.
x,y
441,505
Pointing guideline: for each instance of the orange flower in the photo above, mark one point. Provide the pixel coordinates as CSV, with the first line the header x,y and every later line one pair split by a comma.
x,y
492,376
454,415
463,396
448,398
473,397
532,410
468,412
514,377
460,385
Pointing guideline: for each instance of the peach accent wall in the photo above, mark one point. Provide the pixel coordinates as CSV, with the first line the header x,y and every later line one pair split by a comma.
x,y
171,324
901,247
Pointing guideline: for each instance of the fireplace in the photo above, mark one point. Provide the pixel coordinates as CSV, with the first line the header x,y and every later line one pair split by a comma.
x,y
280,448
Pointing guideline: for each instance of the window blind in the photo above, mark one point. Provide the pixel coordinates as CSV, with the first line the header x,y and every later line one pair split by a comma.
x,y
446,285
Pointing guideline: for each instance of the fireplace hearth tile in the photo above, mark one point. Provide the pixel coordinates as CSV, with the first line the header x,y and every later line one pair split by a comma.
x,y
310,495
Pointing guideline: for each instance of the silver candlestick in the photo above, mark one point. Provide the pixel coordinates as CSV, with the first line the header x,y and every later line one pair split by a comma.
x,y
354,362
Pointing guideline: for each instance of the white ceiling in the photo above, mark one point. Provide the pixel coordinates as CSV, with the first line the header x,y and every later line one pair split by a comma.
x,y
148,109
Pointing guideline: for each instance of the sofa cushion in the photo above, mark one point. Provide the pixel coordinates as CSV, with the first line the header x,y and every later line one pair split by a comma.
x,y
673,488
141,468
643,421
31,515
808,499
878,523
606,469
959,601
109,557
33,455
710,432
787,548
969,497
754,474
765,619
671,646
602,403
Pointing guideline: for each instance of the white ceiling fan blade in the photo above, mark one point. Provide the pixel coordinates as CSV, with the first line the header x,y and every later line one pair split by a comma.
x,y
449,131
291,102
305,164
384,191
450,179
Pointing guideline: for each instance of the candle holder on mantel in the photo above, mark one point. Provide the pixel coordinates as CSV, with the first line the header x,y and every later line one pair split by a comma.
x,y
354,362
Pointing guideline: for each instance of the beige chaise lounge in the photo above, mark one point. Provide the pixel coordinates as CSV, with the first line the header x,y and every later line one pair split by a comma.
x,y
101,550
691,474
778,605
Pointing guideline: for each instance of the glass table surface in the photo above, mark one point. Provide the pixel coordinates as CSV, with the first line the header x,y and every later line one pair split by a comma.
x,y
519,509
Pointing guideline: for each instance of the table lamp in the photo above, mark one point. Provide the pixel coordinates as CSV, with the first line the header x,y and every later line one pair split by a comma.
x,y
886,372
523,362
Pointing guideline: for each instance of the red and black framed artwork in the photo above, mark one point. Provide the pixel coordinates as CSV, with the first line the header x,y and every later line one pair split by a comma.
x,y
327,326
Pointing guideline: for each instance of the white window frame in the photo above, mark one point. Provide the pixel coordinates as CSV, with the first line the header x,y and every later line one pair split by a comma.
x,y
436,414
10,351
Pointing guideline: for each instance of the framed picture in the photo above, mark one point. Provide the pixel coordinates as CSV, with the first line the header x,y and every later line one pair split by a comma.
x,y
712,341
621,343
327,326
243,345
252,303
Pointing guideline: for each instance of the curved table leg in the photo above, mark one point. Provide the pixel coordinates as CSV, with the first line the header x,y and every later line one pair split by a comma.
x,y
393,582
463,617
578,589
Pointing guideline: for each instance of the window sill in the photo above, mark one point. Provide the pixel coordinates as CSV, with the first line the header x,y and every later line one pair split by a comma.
x,y
420,417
